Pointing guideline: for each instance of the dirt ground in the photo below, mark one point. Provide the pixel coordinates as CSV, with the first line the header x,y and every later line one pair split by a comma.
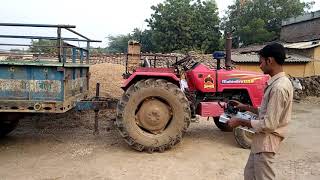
x,y
63,147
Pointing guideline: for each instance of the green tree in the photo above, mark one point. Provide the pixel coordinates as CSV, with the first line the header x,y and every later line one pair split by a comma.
x,y
16,50
145,39
42,46
118,43
183,25
255,21
255,32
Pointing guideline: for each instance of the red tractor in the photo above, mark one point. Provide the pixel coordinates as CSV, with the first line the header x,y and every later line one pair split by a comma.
x,y
157,107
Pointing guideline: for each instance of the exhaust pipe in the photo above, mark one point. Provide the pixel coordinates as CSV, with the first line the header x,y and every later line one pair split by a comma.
x,y
228,50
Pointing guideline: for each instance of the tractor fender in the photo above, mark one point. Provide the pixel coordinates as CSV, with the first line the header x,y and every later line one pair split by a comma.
x,y
136,76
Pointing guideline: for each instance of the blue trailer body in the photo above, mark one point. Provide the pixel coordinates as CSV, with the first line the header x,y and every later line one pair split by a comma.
x,y
42,87
45,83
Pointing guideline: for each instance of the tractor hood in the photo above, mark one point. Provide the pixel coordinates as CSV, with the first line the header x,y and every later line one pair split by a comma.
x,y
206,80
253,82
241,77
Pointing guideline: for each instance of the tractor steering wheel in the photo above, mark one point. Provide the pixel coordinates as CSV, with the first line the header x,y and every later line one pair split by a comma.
x,y
182,61
187,63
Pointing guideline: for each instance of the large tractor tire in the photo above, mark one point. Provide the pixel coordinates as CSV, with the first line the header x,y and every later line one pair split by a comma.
x,y
8,122
153,115
243,138
222,126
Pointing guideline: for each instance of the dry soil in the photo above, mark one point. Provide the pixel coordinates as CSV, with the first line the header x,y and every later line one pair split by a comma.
x,y
63,147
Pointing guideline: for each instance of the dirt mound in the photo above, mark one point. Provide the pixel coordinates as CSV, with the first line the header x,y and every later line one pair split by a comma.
x,y
310,87
110,78
310,100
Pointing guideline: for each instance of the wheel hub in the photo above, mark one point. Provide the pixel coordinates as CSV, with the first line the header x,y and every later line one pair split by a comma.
x,y
154,115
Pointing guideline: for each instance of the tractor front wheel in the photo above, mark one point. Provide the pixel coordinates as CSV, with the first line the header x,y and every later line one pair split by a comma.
x,y
222,126
153,115
243,137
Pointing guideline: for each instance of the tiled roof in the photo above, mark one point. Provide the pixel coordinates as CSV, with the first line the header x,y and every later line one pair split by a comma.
x,y
298,45
248,49
302,45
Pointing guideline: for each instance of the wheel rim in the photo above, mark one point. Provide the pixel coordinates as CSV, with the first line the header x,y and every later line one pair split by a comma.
x,y
248,135
153,115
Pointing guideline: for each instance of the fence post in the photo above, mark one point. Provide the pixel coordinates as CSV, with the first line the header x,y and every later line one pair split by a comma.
x,y
74,55
81,56
88,53
59,44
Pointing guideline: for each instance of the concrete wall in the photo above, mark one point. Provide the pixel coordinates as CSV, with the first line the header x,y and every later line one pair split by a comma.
x,y
316,53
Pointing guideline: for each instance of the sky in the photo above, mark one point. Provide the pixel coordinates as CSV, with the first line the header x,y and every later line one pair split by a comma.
x,y
95,19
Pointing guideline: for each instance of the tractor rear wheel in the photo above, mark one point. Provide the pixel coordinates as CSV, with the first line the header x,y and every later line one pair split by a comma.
x,y
222,126
153,115
243,138
8,123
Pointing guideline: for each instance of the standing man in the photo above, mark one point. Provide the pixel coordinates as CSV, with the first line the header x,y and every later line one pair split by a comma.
x,y
274,115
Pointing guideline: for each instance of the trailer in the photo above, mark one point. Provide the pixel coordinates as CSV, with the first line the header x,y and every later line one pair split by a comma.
x,y
48,78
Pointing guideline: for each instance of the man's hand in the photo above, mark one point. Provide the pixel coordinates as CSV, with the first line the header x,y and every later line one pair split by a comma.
x,y
234,122
239,105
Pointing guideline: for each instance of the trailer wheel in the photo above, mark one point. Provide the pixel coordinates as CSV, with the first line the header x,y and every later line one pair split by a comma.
x,y
222,126
153,115
8,122
243,138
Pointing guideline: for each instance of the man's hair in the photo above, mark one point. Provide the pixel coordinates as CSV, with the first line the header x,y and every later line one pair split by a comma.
x,y
274,50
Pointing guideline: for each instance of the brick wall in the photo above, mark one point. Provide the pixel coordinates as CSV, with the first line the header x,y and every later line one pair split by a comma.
x,y
301,28
108,58
160,60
